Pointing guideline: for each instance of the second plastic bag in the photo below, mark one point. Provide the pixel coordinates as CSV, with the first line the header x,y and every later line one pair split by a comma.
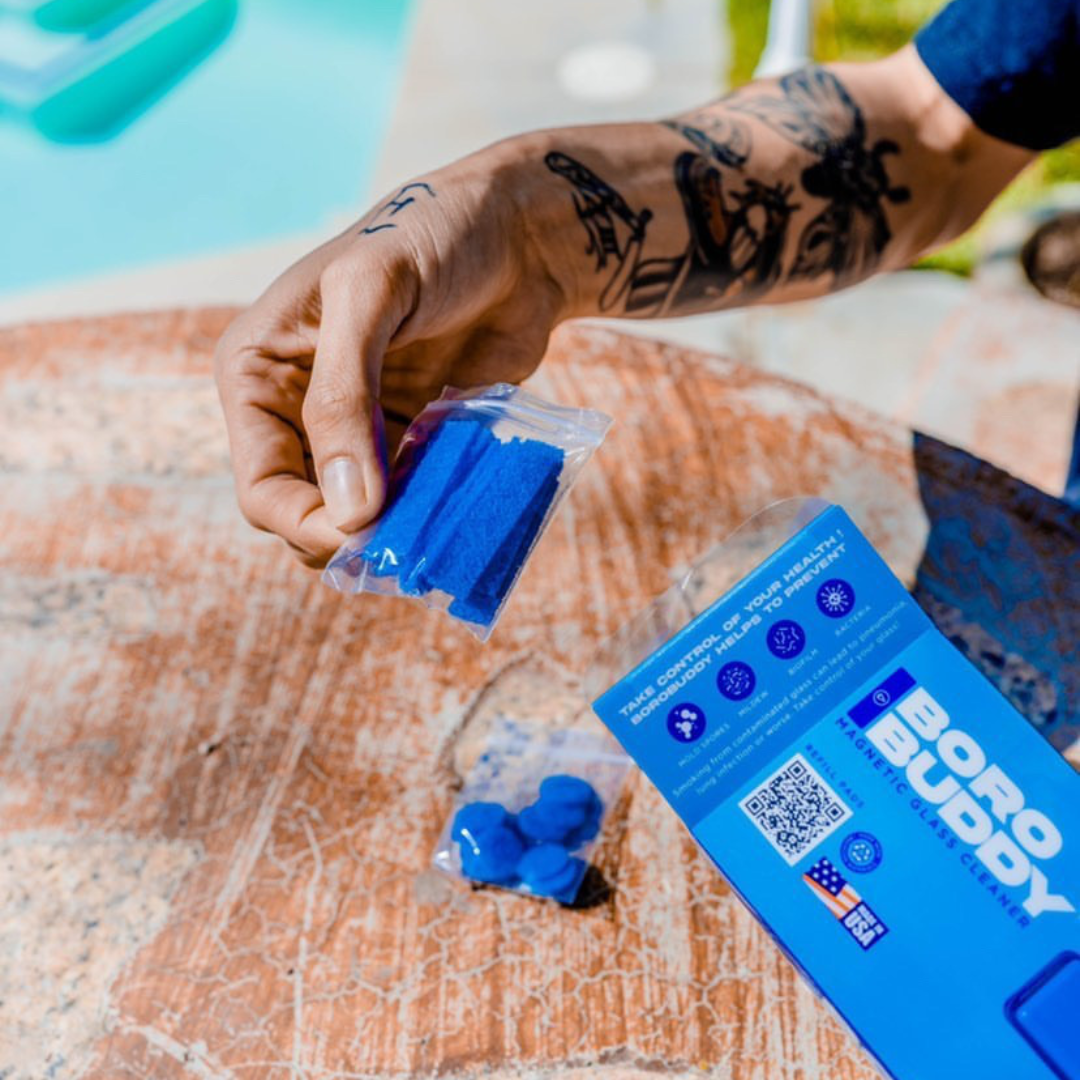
x,y
531,809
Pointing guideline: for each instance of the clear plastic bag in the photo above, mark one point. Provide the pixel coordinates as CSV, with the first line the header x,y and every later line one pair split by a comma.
x,y
708,579
531,809
475,482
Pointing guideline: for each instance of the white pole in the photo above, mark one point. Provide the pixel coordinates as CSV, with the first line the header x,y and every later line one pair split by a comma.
x,y
787,45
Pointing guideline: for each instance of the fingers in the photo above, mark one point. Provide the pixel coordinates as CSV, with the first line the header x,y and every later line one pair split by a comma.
x,y
363,302
293,509
270,393
272,484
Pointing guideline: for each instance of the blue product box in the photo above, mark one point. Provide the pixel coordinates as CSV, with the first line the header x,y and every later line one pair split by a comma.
x,y
910,842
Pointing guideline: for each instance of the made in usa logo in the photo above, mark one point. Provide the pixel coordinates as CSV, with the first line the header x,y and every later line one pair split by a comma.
x,y
843,900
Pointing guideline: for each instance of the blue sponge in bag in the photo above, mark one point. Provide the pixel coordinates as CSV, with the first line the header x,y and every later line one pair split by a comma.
x,y
477,551
483,602
438,467
465,515
472,489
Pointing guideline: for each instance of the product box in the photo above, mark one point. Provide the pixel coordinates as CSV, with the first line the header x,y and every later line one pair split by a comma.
x,y
906,837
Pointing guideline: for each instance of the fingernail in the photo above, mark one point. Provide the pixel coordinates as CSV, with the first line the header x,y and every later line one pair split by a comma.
x,y
343,491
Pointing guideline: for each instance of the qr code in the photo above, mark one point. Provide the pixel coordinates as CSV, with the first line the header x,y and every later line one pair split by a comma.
x,y
795,809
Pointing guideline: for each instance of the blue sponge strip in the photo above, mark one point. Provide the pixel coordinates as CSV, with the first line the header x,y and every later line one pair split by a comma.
x,y
439,468
464,513
500,499
450,521
482,604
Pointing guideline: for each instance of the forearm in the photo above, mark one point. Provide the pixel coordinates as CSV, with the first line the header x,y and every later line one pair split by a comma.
x,y
786,189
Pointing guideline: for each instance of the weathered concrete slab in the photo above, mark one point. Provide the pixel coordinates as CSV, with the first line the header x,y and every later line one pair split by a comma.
x,y
260,767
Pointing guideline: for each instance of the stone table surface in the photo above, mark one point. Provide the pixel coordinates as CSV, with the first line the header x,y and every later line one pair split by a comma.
x,y
221,782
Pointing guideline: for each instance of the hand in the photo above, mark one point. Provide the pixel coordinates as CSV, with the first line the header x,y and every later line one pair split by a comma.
x,y
441,284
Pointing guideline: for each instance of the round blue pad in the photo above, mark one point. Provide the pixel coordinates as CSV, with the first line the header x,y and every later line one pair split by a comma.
x,y
493,856
569,790
542,863
565,887
559,795
548,870
550,821
477,818
586,830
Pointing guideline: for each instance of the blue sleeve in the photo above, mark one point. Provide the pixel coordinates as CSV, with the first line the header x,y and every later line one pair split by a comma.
x,y
1012,65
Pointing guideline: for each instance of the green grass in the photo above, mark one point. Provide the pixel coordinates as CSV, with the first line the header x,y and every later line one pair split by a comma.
x,y
864,30
748,21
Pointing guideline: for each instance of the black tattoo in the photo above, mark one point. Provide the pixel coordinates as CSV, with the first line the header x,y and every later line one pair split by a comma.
x,y
817,113
735,245
616,234
748,247
738,226
736,239
716,135
394,207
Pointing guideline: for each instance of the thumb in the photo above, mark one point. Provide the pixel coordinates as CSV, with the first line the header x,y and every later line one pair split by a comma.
x,y
361,308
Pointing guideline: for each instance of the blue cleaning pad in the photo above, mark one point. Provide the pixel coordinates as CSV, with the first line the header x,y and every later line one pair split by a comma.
x,y
550,870
567,812
449,522
478,818
493,856
507,492
550,821
543,863
483,602
588,828
570,790
438,468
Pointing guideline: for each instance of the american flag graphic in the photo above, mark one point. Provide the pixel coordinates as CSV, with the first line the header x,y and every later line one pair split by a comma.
x,y
831,888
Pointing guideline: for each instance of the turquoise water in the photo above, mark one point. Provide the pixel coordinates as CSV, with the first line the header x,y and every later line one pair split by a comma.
x,y
273,133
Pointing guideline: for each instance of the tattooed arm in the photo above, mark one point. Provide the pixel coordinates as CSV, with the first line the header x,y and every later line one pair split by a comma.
x,y
786,189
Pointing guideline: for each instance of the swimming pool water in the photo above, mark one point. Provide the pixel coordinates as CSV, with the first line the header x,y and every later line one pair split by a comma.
x,y
274,133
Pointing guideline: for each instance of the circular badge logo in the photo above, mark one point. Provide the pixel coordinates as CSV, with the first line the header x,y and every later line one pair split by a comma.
x,y
861,852
881,697
736,680
836,598
686,723
786,639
